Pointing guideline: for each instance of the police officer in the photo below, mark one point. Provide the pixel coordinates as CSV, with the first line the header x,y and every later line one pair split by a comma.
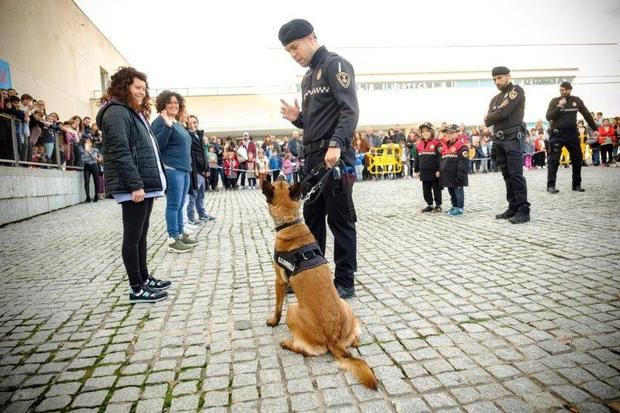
x,y
562,113
328,116
506,116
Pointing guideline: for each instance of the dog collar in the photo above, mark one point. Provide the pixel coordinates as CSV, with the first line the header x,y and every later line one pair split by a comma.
x,y
288,224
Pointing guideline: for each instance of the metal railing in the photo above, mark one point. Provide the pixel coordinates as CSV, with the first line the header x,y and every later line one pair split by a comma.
x,y
13,152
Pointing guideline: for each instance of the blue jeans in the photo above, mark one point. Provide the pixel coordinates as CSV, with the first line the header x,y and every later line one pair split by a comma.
x,y
457,197
197,201
178,185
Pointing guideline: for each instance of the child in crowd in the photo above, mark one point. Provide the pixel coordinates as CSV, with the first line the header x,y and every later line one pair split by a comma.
x,y
231,164
359,164
404,158
453,166
427,167
275,163
251,170
528,152
483,153
263,166
287,167
213,167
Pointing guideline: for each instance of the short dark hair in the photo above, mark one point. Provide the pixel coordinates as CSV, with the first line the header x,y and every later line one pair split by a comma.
x,y
599,113
26,96
164,97
13,99
193,116
86,117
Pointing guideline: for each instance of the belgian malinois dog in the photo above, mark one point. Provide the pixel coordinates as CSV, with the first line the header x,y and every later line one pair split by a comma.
x,y
321,321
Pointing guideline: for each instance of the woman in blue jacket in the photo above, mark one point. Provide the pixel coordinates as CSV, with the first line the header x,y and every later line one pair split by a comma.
x,y
175,146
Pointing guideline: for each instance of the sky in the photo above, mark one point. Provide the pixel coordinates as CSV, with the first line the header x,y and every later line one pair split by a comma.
x,y
183,43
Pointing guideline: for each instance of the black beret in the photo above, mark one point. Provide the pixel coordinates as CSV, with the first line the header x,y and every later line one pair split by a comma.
x,y
500,70
566,85
453,128
293,30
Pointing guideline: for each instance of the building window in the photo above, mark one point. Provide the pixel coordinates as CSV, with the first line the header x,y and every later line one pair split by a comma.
x,y
105,78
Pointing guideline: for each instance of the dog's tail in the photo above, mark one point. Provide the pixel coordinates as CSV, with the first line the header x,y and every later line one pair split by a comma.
x,y
358,367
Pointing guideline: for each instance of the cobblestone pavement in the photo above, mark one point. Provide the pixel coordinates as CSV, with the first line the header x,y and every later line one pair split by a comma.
x,y
459,314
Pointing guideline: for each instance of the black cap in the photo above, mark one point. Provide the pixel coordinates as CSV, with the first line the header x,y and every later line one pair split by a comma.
x,y
427,125
566,85
293,30
453,128
500,70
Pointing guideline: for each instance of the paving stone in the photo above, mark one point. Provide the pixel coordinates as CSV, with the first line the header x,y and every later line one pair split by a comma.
x,y
90,399
335,397
54,403
184,403
126,394
216,398
304,402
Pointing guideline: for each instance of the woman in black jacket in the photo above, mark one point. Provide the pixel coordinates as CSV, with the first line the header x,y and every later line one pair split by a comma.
x,y
134,174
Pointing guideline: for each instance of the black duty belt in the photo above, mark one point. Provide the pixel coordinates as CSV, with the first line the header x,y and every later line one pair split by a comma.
x,y
301,259
504,133
317,146
555,131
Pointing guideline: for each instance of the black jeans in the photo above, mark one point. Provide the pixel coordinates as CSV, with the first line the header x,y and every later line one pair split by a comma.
x,y
335,203
135,229
508,154
431,188
569,139
90,169
213,177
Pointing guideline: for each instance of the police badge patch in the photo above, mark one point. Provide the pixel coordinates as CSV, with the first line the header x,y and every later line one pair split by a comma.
x,y
343,79
574,104
513,94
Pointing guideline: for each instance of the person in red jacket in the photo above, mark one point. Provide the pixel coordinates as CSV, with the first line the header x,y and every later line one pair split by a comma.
x,y
454,166
426,166
607,139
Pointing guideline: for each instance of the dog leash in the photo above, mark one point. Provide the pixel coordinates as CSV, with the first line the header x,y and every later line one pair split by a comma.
x,y
315,192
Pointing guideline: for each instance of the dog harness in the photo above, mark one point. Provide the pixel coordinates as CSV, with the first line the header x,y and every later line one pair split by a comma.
x,y
300,259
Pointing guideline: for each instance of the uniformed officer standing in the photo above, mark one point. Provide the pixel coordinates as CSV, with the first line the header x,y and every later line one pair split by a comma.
x,y
506,116
562,113
328,116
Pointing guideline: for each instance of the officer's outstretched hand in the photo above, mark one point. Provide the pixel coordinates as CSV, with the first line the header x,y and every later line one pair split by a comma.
x,y
332,157
290,113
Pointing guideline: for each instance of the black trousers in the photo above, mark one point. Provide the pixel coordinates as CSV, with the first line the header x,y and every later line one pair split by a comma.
x,y
607,153
568,138
508,154
335,203
135,229
214,174
431,188
90,169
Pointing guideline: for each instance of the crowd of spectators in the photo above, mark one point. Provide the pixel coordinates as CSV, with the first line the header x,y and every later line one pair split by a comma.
x,y
231,163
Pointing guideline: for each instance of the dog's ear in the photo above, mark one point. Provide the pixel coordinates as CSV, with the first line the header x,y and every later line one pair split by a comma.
x,y
267,189
294,191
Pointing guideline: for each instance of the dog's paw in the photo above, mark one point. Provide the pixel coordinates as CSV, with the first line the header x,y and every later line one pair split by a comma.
x,y
273,321
286,344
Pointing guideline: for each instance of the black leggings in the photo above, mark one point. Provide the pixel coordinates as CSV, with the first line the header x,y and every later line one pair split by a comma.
x,y
135,228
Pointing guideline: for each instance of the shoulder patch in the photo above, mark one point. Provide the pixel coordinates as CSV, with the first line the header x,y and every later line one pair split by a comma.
x,y
343,79
513,94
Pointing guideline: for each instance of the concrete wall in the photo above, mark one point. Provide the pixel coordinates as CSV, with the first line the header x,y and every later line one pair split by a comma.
x,y
26,192
55,53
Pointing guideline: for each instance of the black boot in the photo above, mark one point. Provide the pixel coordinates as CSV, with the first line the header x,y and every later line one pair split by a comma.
x,y
509,213
552,190
578,188
519,218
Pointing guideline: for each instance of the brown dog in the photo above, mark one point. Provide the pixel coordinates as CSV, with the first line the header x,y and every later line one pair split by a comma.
x,y
321,321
